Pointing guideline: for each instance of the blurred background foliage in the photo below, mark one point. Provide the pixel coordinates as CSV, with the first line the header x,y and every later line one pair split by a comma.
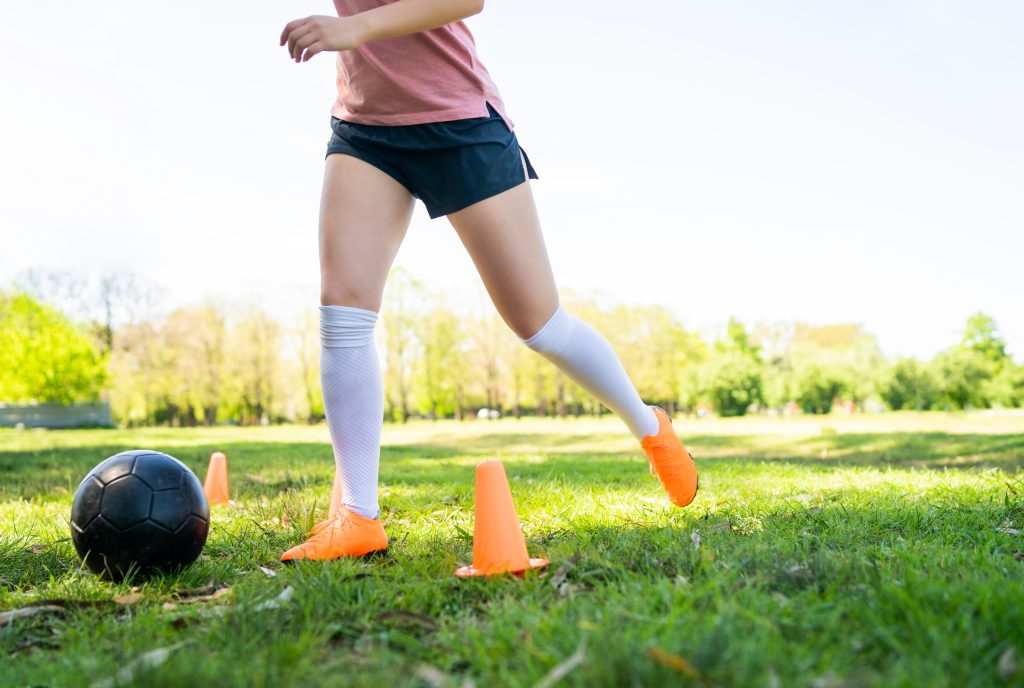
x,y
65,338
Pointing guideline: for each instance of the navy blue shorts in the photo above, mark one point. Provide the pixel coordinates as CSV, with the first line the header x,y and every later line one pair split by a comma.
x,y
448,165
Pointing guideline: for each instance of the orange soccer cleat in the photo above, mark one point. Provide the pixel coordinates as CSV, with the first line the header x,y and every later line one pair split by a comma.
x,y
670,461
347,534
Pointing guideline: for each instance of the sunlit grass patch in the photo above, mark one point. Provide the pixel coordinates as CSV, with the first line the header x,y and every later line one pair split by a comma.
x,y
835,551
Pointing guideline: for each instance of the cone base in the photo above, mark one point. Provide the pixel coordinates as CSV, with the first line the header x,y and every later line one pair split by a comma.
x,y
469,571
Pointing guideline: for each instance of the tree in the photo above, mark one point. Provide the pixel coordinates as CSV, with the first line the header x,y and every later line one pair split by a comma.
x,y
656,351
106,302
197,335
817,388
907,384
120,298
399,316
136,372
254,366
440,384
1007,388
519,376
307,332
44,357
982,337
963,373
65,291
732,382
778,387
492,345
737,340
842,354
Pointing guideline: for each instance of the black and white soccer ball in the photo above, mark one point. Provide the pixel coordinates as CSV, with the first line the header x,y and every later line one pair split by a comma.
x,y
139,510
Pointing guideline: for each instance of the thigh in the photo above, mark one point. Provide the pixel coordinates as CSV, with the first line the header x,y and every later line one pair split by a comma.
x,y
503,237
364,215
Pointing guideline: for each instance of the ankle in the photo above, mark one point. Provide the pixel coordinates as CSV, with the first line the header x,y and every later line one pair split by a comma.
x,y
371,512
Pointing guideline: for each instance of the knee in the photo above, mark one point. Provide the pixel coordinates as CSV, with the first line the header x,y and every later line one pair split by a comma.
x,y
552,335
344,295
526,322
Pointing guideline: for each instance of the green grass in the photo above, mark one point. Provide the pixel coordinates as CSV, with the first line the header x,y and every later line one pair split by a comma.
x,y
842,551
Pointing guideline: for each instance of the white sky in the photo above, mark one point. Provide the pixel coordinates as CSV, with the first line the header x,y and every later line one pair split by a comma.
x,y
828,162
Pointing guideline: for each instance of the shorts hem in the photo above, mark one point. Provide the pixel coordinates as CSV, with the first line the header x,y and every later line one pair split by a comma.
x,y
477,195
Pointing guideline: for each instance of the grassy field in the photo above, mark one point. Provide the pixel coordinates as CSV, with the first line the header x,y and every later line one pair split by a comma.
x,y
841,551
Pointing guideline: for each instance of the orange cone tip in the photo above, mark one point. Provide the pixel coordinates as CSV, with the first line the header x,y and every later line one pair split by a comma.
x,y
216,485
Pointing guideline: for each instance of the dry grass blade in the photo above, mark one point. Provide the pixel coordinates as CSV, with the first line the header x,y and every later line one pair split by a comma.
x,y
677,663
432,676
277,602
130,598
26,612
207,589
673,661
73,604
148,660
558,577
421,620
563,669
216,594
1007,664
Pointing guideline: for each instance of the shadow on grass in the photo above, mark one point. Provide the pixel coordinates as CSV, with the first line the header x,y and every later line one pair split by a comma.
x,y
267,466
830,565
790,549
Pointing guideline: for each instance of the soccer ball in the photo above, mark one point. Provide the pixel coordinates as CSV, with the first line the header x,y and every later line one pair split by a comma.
x,y
139,510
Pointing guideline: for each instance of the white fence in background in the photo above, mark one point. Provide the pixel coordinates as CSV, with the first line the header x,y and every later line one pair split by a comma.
x,y
55,415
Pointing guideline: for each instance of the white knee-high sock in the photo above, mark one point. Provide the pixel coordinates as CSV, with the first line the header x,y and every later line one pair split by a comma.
x,y
353,401
583,354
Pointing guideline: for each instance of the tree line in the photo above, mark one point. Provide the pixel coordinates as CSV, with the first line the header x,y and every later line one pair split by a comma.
x,y
64,340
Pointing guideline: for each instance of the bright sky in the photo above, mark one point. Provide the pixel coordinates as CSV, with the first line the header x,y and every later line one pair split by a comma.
x,y
827,162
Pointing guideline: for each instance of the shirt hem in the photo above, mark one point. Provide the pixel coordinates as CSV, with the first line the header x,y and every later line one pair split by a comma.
x,y
406,118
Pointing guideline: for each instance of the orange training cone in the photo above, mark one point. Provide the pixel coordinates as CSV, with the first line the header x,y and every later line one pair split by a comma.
x,y
216,485
498,544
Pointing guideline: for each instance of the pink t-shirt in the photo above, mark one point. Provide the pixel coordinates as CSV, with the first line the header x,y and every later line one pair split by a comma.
x,y
428,76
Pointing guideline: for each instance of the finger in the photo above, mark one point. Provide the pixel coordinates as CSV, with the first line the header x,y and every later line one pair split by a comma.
x,y
289,27
312,50
295,36
303,43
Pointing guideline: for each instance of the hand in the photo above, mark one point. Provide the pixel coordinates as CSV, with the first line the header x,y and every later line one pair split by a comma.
x,y
312,35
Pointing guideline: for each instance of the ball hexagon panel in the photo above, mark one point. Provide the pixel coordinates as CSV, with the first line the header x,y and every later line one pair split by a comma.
x,y
97,537
126,502
187,542
86,505
115,467
171,508
157,472
142,545
191,486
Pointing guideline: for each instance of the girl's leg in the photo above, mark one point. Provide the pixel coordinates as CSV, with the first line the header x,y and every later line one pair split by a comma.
x,y
503,236
364,215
